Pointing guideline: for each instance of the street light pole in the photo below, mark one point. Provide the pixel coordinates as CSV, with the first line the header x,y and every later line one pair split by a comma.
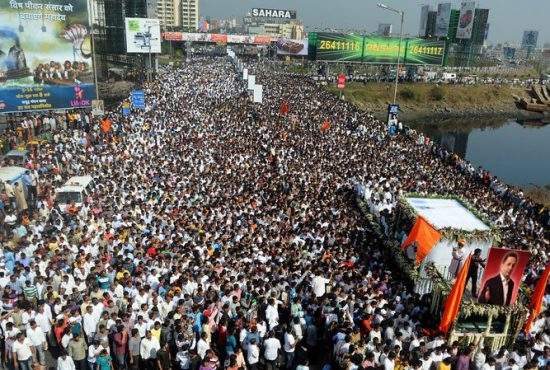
x,y
402,14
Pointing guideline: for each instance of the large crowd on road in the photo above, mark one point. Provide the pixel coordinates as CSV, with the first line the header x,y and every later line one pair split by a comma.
x,y
223,234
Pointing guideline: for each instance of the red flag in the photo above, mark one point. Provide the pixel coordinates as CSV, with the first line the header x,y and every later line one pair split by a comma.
x,y
425,237
452,303
283,109
325,126
536,299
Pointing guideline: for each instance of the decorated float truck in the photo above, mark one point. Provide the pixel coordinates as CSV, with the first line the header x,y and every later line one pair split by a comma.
x,y
433,268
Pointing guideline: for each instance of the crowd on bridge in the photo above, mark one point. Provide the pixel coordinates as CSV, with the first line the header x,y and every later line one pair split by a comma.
x,y
223,234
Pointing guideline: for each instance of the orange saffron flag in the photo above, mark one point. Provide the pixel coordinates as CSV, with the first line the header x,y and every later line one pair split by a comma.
x,y
536,299
425,237
283,109
106,125
325,126
452,303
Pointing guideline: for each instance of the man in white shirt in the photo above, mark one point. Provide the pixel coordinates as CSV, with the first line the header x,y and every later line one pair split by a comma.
x,y
290,344
202,346
272,314
89,322
23,352
253,354
65,362
272,346
148,350
38,339
319,285
389,361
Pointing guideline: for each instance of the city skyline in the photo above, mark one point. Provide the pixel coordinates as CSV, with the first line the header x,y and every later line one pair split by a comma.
x,y
505,17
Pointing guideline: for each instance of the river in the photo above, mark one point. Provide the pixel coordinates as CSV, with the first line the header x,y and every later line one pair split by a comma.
x,y
518,153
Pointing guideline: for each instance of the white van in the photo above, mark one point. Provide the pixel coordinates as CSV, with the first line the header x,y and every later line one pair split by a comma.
x,y
13,174
75,189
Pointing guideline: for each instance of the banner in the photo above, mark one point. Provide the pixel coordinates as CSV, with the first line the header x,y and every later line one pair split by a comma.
x,y
45,56
423,20
258,92
502,276
339,47
423,51
383,50
142,35
251,82
292,47
466,20
442,20
138,99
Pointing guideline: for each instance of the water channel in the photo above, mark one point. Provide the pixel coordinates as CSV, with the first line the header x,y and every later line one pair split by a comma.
x,y
517,152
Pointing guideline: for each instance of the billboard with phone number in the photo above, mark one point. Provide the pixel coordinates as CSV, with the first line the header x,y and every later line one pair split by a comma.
x,y
339,47
45,56
377,49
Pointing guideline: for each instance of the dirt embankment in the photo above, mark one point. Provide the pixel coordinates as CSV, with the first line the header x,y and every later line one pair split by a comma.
x,y
427,100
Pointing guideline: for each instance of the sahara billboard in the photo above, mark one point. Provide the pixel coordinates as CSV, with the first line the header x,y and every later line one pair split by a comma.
x,y
45,55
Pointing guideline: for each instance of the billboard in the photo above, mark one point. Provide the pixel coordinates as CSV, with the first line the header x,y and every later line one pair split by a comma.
x,y
466,20
530,39
502,276
273,13
339,47
45,56
422,51
142,35
383,50
384,29
442,19
292,47
218,38
423,20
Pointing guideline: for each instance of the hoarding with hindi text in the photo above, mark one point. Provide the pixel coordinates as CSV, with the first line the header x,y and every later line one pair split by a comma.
x,y
45,56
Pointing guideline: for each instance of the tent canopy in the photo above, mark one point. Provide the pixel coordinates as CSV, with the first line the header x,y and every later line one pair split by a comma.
x,y
446,213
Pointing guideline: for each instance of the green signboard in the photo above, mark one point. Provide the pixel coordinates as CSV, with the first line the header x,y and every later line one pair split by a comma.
x,y
339,47
420,51
382,50
375,49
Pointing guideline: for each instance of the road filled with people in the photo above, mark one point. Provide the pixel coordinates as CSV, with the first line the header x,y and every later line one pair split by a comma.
x,y
219,233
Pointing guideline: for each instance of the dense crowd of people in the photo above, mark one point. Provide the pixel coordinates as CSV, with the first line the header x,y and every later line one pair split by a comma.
x,y
222,234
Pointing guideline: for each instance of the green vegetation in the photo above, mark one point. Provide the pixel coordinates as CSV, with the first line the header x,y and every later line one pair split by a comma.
x,y
428,98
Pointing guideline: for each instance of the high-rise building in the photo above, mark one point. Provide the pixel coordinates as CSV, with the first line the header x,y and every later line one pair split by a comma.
x,y
168,13
189,15
430,24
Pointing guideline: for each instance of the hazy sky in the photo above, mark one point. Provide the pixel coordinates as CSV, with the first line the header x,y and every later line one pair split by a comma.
x,y
508,18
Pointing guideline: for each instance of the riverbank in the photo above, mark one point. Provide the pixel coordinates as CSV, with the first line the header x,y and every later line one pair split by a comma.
x,y
427,101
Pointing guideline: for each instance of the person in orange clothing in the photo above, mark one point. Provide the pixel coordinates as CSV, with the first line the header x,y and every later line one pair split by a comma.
x,y
106,125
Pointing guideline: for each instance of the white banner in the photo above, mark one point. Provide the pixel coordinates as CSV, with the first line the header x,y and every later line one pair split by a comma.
x,y
258,93
251,82
466,20
442,19
245,74
142,35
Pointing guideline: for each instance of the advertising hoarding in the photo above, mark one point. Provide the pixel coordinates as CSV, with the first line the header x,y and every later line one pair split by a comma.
x,y
442,19
423,20
45,56
466,20
142,35
529,39
341,47
292,47
422,51
382,49
273,13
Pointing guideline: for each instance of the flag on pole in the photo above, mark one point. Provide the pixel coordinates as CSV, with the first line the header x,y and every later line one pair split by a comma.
x,y
452,303
425,237
283,109
536,299
325,126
